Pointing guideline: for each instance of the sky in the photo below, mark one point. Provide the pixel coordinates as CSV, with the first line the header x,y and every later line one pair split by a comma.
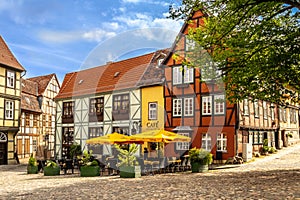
x,y
59,37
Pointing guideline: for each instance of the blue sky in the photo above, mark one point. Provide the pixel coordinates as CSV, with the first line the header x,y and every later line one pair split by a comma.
x,y
57,36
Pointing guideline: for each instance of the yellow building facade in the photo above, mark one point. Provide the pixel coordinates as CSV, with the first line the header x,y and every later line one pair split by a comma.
x,y
10,98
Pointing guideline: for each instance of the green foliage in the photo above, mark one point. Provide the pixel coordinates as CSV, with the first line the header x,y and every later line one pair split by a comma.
x,y
32,161
272,150
289,135
86,159
254,43
127,158
265,146
200,155
51,163
75,150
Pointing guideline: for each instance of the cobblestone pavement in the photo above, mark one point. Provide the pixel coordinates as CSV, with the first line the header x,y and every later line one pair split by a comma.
x,y
276,176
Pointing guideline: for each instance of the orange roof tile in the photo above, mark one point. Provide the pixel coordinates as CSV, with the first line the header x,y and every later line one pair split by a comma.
x,y
29,99
42,82
119,75
7,58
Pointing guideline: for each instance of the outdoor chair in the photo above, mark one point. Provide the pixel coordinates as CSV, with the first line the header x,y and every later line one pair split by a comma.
x,y
68,165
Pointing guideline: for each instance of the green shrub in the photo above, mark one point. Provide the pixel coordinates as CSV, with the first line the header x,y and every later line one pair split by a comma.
x,y
200,155
272,150
32,161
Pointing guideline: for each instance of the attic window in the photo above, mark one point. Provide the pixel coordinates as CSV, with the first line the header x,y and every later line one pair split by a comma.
x,y
27,100
80,82
159,62
116,74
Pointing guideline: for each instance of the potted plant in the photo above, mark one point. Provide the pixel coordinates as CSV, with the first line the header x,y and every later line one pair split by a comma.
x,y
88,166
200,159
75,150
32,167
128,164
51,168
265,148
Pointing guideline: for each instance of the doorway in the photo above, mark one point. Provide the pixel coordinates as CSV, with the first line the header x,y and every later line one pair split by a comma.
x,y
3,149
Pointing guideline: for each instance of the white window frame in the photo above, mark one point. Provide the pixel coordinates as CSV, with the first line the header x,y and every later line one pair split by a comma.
x,y
183,146
272,111
177,75
206,141
188,106
206,103
265,109
256,108
9,109
152,114
222,142
177,107
219,104
190,44
246,107
10,79
188,74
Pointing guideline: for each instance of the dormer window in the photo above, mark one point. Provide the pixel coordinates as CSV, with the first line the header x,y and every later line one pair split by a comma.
x,y
10,79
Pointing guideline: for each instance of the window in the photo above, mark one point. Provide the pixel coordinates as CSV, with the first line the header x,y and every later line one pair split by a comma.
x,y
68,109
210,71
10,82
27,117
188,75
188,106
121,130
189,44
35,120
9,109
284,114
152,113
206,105
221,142
96,109
96,105
67,141
121,103
255,138
265,108
256,109
219,104
95,132
68,112
246,107
183,145
206,142
177,107
272,112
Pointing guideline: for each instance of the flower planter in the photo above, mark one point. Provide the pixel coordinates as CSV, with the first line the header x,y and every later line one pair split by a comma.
x,y
198,167
32,169
89,171
51,171
130,171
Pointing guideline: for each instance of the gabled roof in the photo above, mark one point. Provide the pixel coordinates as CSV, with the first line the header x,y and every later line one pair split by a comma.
x,y
29,98
119,75
7,58
42,82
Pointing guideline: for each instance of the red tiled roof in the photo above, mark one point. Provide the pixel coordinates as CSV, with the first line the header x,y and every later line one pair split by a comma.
x,y
42,82
7,57
29,99
119,75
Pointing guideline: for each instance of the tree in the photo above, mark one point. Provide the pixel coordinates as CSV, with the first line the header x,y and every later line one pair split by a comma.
x,y
255,44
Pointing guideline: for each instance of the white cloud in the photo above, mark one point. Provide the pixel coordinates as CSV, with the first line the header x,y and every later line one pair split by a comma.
x,y
74,36
140,21
162,3
112,26
98,35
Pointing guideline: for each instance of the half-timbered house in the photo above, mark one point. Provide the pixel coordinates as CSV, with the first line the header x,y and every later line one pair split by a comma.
x,y
104,99
196,106
38,116
10,98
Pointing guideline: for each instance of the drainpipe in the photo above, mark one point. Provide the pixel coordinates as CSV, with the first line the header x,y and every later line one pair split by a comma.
x,y
237,127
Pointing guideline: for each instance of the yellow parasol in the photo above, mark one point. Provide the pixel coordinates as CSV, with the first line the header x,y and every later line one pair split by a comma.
x,y
160,136
113,138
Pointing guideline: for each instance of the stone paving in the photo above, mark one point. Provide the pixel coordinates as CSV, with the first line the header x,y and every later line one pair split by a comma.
x,y
276,176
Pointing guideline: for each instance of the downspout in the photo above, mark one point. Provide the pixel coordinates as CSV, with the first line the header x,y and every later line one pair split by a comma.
x,y
237,127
